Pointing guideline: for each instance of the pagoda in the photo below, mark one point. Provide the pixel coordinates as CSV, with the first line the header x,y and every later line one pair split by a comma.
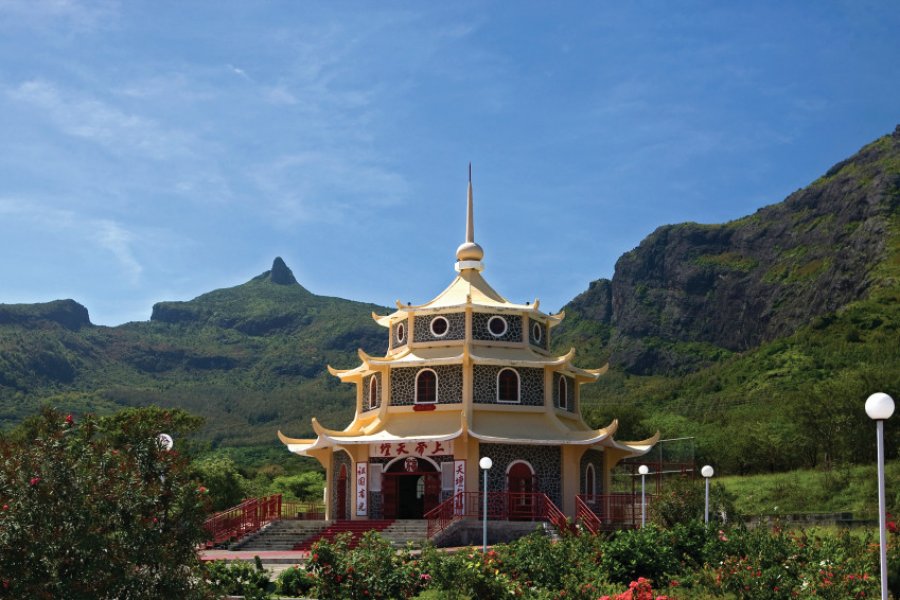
x,y
467,375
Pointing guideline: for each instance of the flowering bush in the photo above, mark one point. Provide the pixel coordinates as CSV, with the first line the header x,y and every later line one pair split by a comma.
x,y
95,508
239,578
637,590
295,581
372,570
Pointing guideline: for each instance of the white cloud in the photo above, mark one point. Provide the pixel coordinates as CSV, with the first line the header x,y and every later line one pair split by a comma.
x,y
91,119
72,15
107,234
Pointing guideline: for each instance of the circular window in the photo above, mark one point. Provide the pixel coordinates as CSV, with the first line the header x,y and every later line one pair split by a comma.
x,y
401,333
439,327
497,326
536,332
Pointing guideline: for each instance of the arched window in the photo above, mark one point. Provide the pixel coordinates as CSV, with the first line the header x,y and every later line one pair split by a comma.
x,y
373,392
426,387
590,481
563,392
508,385
401,333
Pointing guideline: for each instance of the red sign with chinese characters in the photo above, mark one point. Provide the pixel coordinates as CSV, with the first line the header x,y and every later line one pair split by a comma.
x,y
362,489
411,448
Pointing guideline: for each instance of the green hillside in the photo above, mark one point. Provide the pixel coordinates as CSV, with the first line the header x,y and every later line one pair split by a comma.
x,y
792,401
251,359
761,337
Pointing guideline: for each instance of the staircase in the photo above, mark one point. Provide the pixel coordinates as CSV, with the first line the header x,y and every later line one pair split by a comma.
x,y
407,530
355,528
280,535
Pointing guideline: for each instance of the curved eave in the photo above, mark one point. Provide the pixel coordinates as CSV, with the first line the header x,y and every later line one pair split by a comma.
x,y
634,449
534,428
388,320
540,442
387,436
349,374
300,446
554,320
407,358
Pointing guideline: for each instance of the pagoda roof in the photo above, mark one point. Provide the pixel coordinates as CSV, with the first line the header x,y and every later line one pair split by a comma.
x,y
491,424
469,288
507,356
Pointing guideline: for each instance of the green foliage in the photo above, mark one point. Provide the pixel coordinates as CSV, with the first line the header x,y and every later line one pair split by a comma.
x,y
371,570
733,261
305,486
638,553
295,581
250,359
684,501
221,477
239,578
96,509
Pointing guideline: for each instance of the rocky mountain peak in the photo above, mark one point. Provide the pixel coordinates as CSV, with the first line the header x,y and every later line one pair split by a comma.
x,y
281,273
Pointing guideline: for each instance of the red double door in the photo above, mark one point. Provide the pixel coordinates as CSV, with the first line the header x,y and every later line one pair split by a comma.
x,y
410,490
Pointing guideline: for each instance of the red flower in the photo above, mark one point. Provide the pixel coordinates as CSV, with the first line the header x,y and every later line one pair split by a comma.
x,y
6,507
69,420
35,481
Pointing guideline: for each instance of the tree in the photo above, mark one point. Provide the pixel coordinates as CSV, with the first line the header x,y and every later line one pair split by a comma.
x,y
227,487
97,508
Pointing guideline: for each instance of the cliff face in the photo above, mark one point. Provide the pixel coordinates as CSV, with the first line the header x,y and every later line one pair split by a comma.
x,y
690,290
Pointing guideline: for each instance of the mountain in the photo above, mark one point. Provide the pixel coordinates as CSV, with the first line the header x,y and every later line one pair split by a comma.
x,y
691,294
759,338
250,358
762,337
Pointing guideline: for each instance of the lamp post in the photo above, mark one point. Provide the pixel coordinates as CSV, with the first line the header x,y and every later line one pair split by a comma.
x,y
707,472
485,463
880,407
643,470
165,443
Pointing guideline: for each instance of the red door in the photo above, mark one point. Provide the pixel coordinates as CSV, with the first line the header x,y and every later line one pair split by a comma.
x,y
389,496
521,485
342,494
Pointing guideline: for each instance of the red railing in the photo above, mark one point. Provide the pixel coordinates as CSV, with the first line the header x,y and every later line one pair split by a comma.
x,y
610,511
501,506
254,513
585,515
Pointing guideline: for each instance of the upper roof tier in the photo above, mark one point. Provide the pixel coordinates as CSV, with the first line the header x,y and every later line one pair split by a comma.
x,y
469,288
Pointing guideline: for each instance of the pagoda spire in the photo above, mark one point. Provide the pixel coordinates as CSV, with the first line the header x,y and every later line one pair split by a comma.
x,y
469,254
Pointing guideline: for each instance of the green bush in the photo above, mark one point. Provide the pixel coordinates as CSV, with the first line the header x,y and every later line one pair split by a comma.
x,y
295,581
371,570
239,578
97,509
684,501
638,553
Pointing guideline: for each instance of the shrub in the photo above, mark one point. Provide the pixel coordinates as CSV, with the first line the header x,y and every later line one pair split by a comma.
x,y
97,509
239,578
684,501
637,553
295,581
372,570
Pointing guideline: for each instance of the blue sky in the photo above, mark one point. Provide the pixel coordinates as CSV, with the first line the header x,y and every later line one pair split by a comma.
x,y
158,150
